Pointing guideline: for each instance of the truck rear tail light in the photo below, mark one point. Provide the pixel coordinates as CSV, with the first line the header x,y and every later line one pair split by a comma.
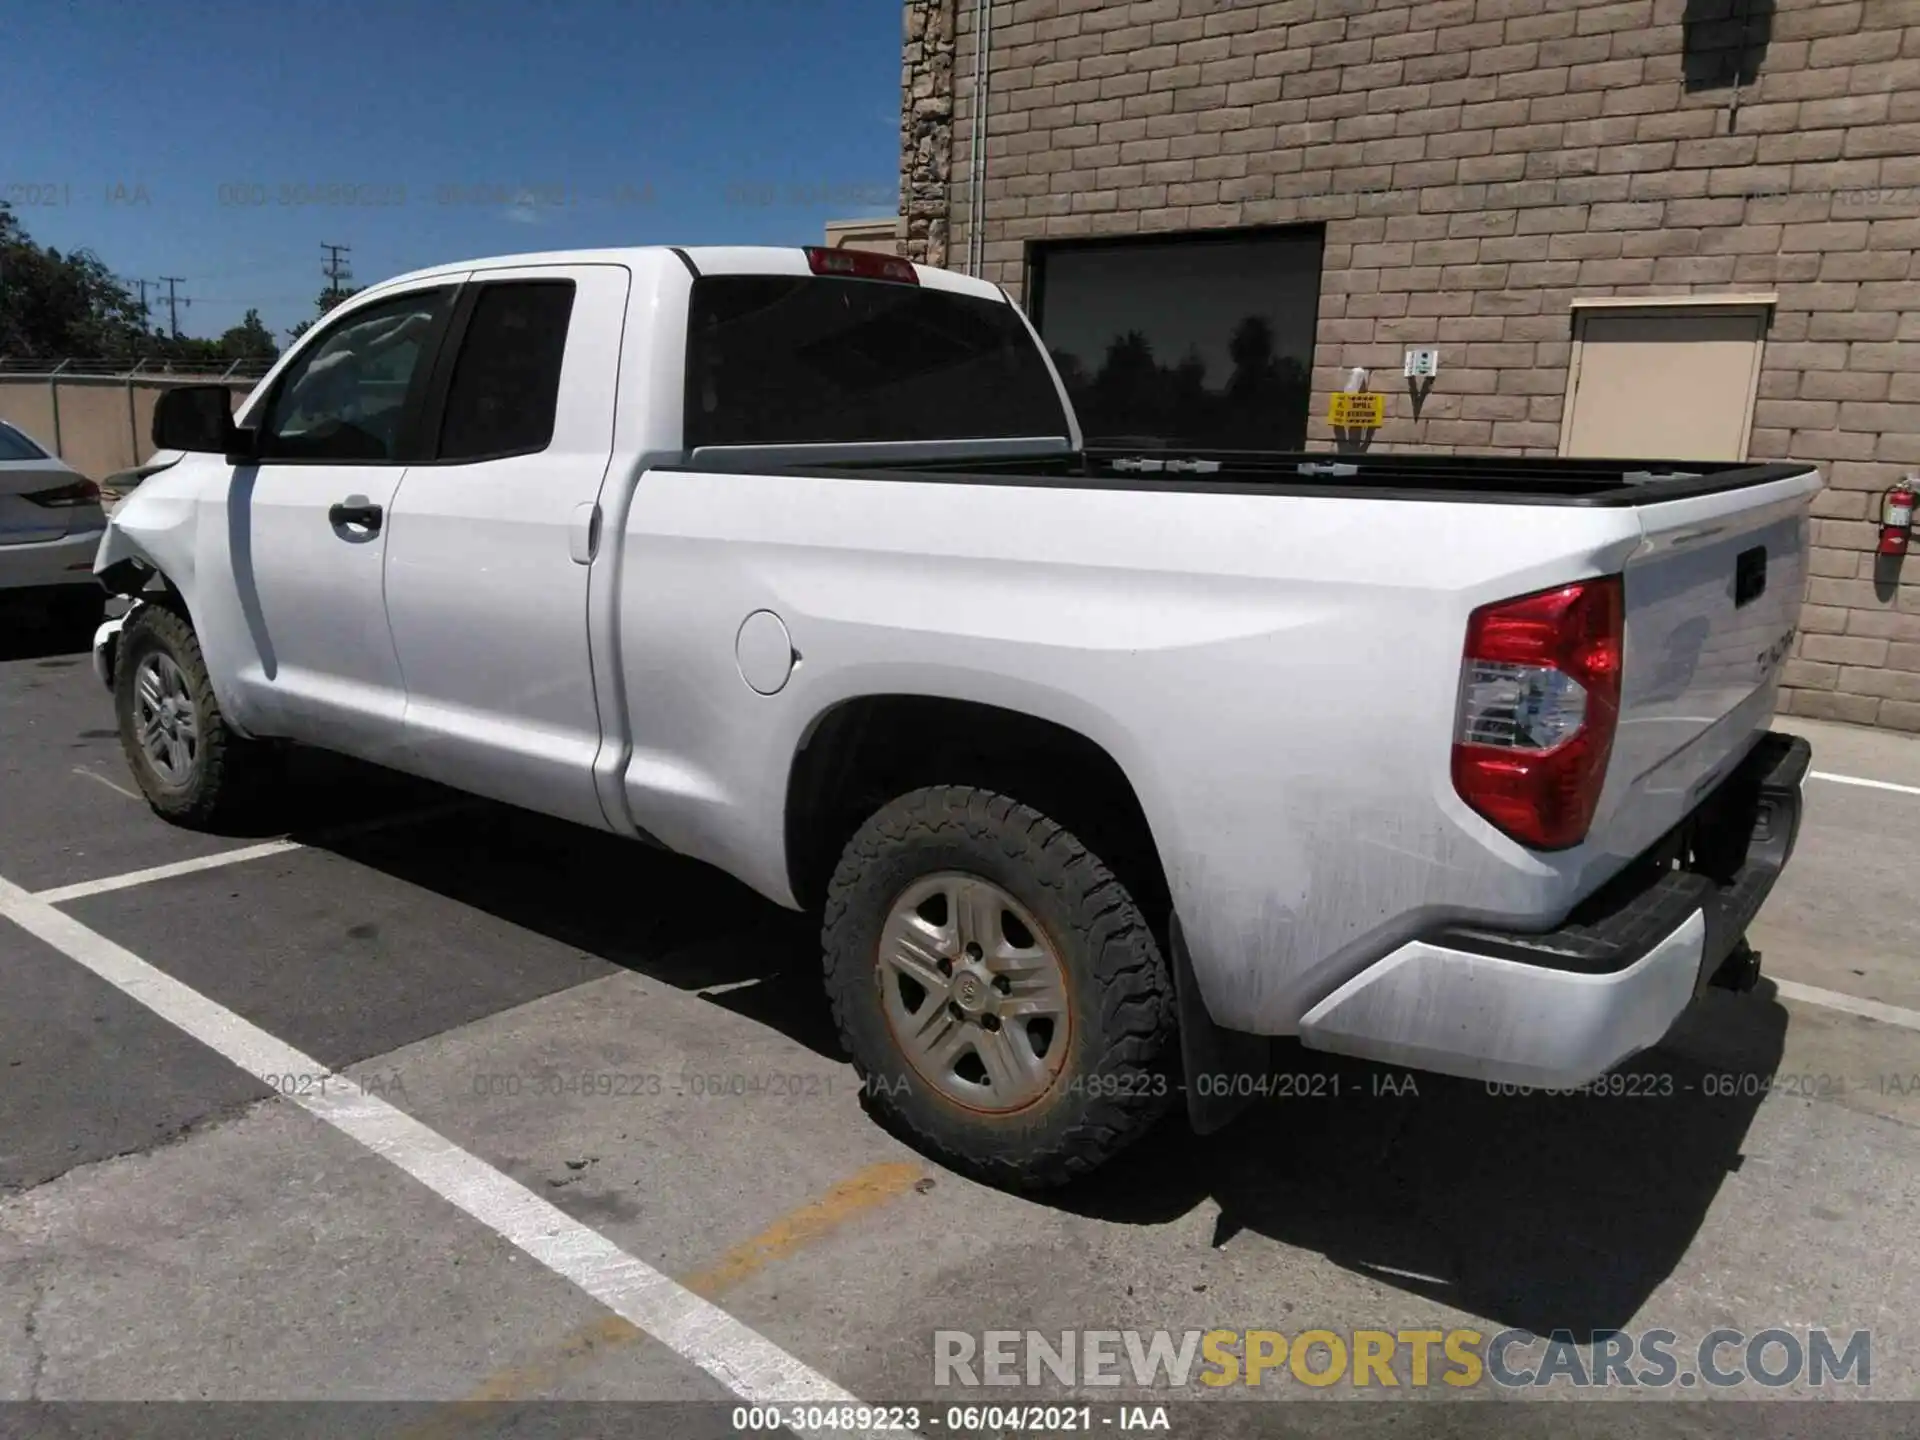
x,y
1539,700
860,265
65,497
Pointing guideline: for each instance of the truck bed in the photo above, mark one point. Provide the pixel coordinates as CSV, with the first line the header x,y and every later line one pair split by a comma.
x,y
1273,658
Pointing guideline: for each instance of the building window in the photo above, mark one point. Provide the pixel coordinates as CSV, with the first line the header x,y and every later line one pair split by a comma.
x,y
1723,42
1202,341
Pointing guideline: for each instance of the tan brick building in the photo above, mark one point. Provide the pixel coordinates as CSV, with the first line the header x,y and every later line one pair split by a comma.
x,y
1215,209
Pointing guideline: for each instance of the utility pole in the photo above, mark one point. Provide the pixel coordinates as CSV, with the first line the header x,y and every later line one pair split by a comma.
x,y
335,269
174,302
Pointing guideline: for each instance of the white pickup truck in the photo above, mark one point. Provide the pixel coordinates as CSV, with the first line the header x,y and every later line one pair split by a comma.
x,y
1100,767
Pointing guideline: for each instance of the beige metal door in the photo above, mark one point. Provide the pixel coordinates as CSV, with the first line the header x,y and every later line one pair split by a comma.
x,y
1663,382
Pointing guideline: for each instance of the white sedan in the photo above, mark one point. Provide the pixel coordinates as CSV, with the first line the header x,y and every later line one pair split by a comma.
x,y
50,526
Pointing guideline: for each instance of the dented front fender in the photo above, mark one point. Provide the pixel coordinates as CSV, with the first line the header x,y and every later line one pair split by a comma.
x,y
151,530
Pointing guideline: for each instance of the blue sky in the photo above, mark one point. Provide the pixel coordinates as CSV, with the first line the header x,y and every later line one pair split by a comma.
x,y
198,138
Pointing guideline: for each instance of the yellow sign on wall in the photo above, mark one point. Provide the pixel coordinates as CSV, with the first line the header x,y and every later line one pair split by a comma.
x,y
1363,411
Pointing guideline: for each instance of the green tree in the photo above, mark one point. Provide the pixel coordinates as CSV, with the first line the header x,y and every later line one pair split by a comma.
x,y
324,302
54,305
249,340
187,350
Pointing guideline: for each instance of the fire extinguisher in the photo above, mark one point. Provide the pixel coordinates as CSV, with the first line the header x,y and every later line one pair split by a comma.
x,y
1896,518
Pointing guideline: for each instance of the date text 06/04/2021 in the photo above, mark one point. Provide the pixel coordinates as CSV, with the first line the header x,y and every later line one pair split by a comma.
x,y
648,1084
956,1419
1805,1085
1278,1085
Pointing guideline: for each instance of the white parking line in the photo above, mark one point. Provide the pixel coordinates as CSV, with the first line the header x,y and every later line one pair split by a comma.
x,y
740,1358
1850,1004
61,894
85,773
1868,784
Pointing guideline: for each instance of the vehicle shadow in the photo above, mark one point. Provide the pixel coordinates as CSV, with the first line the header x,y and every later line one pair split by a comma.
x,y
1534,1211
26,634
1537,1212
673,919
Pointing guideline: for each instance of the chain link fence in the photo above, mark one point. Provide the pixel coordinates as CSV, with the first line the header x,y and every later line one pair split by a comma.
x,y
42,367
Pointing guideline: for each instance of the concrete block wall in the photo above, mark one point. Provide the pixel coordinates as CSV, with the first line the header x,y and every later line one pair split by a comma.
x,y
1477,165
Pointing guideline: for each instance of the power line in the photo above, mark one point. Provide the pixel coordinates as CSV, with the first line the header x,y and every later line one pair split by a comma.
x,y
256,301
174,302
334,268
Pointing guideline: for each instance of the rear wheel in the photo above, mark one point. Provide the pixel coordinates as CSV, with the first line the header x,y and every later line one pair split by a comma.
x,y
999,990
189,763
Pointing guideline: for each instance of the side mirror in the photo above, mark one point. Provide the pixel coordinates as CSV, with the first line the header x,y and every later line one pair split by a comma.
x,y
197,418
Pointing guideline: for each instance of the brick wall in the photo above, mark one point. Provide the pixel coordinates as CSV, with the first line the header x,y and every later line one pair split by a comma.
x,y
1477,165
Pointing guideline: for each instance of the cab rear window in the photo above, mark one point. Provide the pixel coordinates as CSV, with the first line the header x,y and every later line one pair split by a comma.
x,y
796,360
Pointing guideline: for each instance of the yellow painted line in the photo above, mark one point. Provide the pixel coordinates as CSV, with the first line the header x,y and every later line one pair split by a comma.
x,y
538,1377
871,1187
795,1231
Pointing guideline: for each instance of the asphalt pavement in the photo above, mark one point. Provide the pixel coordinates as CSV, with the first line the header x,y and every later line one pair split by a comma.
x,y
415,1098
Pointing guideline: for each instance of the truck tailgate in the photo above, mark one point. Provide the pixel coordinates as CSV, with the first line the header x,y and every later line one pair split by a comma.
x,y
1713,599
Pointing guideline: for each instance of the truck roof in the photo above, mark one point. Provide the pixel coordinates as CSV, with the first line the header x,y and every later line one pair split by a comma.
x,y
706,259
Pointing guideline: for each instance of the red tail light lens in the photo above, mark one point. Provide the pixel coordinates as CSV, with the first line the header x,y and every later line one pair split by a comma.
x,y
860,265
1539,700
81,492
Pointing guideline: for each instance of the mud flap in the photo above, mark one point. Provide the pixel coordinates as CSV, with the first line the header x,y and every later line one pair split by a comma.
x,y
1210,1056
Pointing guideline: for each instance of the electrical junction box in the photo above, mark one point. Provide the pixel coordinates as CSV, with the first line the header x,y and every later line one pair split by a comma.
x,y
1422,364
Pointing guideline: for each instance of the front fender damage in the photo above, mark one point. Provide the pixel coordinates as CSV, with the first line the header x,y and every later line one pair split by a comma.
x,y
148,545
150,533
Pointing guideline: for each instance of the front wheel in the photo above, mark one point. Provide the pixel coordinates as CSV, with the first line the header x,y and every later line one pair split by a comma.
x,y
189,763
999,990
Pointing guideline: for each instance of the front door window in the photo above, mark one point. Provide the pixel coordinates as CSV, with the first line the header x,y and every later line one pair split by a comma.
x,y
345,399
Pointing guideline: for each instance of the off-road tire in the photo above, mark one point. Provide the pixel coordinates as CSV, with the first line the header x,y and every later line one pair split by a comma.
x,y
230,770
1119,1075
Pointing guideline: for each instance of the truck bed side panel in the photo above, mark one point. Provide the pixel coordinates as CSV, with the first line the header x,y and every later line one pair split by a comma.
x,y
1276,674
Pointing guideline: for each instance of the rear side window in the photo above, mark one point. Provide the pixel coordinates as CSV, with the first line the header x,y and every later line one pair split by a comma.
x,y
15,446
506,381
796,360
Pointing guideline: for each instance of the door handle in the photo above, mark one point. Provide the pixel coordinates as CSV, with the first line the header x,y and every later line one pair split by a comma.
x,y
355,511
583,533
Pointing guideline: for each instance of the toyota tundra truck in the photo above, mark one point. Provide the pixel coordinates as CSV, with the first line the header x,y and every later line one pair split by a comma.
x,y
1100,767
